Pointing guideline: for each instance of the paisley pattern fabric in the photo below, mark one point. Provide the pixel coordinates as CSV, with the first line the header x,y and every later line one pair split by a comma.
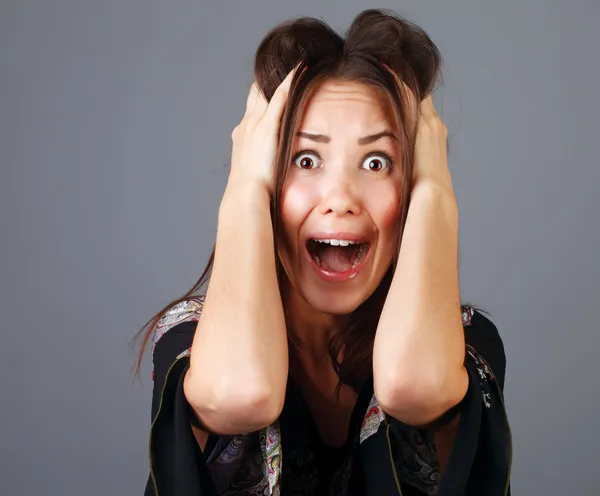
x,y
253,464
185,311
372,420
416,458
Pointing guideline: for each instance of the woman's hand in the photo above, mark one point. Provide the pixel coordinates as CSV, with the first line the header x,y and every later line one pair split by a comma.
x,y
255,138
431,158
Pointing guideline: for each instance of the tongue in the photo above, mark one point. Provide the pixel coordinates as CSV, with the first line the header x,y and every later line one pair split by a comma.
x,y
336,258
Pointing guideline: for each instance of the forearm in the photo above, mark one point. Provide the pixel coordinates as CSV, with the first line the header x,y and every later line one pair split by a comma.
x,y
419,345
239,356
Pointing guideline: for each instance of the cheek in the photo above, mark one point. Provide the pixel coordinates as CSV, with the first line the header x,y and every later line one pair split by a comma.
x,y
297,201
384,208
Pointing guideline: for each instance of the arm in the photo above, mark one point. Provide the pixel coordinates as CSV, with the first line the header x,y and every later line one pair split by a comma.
x,y
239,362
418,360
238,369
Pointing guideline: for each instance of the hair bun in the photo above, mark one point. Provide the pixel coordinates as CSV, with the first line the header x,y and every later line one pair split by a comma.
x,y
380,36
288,44
399,44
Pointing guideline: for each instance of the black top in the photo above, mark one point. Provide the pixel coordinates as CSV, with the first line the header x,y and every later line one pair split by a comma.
x,y
291,457
309,465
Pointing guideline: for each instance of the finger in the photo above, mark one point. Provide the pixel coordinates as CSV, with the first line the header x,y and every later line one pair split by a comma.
x,y
260,105
276,106
427,107
253,102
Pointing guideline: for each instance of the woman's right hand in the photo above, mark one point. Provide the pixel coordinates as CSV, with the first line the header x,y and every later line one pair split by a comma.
x,y
255,138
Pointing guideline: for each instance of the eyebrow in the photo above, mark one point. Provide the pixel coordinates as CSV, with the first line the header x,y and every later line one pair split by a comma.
x,y
365,140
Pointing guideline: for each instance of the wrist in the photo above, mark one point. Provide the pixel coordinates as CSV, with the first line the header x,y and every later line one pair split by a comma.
x,y
429,192
432,187
245,196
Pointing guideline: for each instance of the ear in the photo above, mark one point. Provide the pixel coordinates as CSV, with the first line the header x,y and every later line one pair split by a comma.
x,y
285,46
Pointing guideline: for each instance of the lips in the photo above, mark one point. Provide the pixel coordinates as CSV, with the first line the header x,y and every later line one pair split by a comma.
x,y
337,256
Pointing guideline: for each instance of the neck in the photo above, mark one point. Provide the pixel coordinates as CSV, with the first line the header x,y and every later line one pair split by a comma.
x,y
314,329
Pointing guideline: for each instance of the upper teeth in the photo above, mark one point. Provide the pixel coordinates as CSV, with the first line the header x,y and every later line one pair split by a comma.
x,y
337,242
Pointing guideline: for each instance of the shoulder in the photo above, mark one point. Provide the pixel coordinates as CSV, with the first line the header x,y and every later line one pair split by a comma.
x,y
186,311
173,335
484,342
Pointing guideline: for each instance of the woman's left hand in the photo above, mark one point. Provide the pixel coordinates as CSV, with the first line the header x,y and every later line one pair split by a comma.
x,y
431,158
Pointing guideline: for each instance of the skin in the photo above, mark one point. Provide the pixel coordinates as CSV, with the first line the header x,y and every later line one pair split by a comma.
x,y
336,184
339,188
419,346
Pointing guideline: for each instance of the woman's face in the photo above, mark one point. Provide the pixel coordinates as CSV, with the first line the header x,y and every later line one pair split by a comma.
x,y
341,200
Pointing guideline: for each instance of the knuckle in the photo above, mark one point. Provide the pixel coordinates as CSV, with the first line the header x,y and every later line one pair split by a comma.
x,y
250,122
240,128
425,126
435,123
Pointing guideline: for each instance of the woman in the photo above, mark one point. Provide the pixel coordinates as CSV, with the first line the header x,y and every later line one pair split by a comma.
x,y
330,354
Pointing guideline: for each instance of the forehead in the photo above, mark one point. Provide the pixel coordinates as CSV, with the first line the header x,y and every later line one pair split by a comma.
x,y
348,106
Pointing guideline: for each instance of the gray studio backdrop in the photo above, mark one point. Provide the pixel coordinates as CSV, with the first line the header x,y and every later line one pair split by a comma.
x,y
115,122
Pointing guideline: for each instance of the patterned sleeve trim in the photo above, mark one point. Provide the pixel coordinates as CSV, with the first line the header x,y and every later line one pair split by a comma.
x,y
467,313
186,311
416,453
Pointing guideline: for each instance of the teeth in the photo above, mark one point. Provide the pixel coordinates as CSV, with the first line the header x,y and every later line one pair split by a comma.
x,y
362,252
336,242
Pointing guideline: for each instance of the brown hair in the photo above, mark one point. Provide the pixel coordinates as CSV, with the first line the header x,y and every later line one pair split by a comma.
x,y
377,44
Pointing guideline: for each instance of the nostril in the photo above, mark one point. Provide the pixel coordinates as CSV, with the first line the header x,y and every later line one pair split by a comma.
x,y
340,203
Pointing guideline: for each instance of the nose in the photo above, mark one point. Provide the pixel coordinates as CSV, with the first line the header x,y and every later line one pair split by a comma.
x,y
339,197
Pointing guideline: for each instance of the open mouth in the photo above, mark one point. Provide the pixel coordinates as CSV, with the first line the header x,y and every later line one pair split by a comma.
x,y
337,255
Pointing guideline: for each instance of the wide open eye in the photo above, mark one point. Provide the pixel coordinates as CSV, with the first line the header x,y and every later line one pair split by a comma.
x,y
306,160
377,162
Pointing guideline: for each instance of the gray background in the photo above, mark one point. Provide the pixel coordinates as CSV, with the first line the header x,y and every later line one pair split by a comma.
x,y
115,122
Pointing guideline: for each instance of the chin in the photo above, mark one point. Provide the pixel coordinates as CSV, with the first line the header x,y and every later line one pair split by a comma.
x,y
338,303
